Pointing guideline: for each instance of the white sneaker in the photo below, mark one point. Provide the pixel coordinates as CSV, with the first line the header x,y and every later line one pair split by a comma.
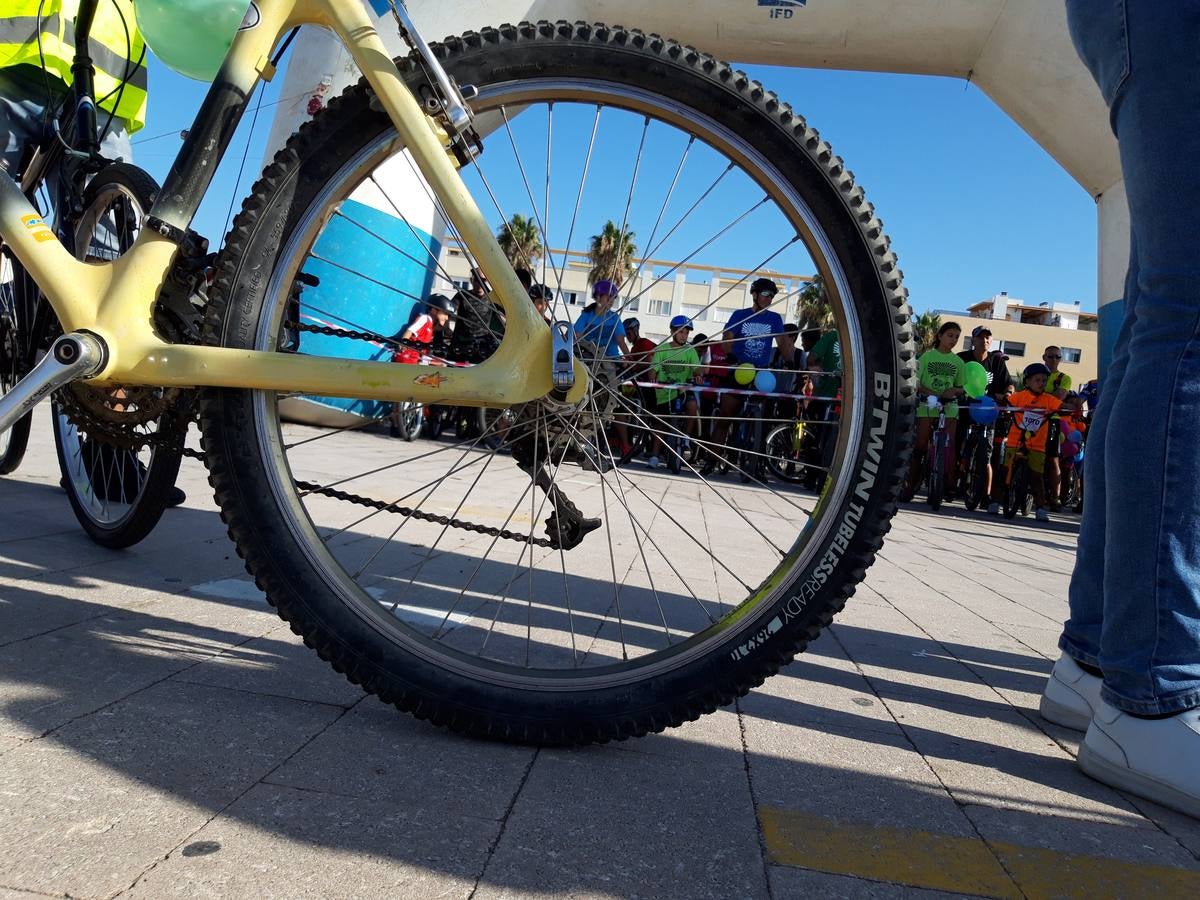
x,y
652,462
1071,695
1042,515
993,509
1153,758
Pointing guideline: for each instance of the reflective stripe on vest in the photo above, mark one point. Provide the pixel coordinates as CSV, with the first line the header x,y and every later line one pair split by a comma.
x,y
19,34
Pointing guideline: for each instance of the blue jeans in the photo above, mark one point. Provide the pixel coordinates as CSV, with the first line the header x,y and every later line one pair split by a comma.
x,y
1135,593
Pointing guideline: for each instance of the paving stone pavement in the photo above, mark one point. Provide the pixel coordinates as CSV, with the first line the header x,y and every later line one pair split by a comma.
x,y
163,734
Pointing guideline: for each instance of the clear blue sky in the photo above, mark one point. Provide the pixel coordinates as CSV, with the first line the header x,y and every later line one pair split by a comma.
x,y
972,204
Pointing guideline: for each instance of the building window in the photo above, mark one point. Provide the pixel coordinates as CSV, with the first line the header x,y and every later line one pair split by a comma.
x,y
633,304
571,297
1071,354
967,342
660,307
695,313
462,284
1013,348
719,314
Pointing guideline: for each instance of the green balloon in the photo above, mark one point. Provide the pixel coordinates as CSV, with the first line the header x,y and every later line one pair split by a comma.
x,y
975,380
191,37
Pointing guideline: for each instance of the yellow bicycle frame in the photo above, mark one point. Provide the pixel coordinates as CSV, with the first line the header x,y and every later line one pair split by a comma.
x,y
114,300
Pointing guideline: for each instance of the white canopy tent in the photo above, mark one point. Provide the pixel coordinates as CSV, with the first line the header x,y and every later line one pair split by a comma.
x,y
1017,51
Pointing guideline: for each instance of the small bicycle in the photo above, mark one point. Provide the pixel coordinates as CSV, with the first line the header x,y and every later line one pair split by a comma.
x,y
938,458
974,464
1018,480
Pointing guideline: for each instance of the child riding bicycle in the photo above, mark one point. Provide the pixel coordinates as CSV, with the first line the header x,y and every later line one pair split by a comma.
x,y
424,341
676,362
940,374
1029,432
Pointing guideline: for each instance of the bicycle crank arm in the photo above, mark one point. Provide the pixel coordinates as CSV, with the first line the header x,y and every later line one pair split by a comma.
x,y
73,356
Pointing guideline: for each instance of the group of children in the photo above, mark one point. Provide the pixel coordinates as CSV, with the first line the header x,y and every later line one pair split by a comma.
x,y
1040,420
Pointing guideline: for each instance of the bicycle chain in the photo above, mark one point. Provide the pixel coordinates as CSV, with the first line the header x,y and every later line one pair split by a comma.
x,y
409,512
331,331
168,442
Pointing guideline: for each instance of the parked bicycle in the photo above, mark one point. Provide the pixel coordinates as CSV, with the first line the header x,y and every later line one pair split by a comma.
x,y
524,599
974,462
119,446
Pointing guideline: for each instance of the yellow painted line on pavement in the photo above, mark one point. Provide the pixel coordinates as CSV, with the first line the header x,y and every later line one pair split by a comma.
x,y
917,858
925,859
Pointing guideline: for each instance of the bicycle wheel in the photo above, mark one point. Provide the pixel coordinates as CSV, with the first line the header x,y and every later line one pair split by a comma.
x,y
975,493
937,470
1016,494
14,441
574,605
785,448
16,354
118,449
409,419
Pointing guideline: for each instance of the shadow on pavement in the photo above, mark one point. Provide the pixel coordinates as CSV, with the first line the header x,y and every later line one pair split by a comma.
x,y
158,738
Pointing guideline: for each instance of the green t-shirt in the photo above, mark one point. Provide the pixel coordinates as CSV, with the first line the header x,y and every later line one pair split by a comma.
x,y
673,365
938,371
827,353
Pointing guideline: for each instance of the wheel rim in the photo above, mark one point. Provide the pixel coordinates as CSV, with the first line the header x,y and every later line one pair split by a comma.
x,y
106,480
485,602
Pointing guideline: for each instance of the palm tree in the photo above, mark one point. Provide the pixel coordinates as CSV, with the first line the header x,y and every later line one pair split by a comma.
x,y
926,325
521,241
611,254
814,308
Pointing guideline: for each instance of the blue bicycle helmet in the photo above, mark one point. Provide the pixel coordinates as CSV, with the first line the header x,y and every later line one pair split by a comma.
x,y
631,324
681,322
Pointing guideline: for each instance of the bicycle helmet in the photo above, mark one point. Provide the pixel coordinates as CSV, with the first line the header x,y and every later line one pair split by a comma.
x,y
631,324
541,292
1036,369
681,322
764,284
441,301
604,287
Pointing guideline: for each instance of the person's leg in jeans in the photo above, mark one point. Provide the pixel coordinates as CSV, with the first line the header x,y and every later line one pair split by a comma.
x,y
1147,498
1135,594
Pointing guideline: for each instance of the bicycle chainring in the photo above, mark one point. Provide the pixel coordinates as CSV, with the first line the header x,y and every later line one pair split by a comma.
x,y
120,414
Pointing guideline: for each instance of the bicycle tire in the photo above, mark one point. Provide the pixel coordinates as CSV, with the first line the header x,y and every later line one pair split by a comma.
x,y
783,456
14,441
937,471
396,662
92,470
975,493
410,419
1017,491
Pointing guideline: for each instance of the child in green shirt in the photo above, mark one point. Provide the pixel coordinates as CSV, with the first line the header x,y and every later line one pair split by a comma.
x,y
941,374
675,361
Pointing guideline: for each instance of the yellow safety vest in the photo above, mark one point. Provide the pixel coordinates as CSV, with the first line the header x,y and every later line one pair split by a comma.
x,y
120,64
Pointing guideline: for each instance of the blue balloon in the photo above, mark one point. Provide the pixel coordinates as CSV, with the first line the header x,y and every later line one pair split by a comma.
x,y
1075,437
765,381
984,410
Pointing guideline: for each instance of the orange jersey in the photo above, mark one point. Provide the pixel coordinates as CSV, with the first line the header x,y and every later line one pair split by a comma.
x,y
1036,419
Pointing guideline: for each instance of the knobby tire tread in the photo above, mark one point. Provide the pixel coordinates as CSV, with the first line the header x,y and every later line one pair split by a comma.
x,y
657,61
